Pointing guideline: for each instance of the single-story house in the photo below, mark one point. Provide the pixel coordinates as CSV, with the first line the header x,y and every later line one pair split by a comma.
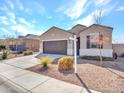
x,y
28,42
31,42
91,41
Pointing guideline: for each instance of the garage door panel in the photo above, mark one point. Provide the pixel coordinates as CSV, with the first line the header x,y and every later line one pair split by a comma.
x,y
55,47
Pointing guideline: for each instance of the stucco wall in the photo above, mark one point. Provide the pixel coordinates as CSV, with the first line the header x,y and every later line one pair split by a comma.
x,y
76,29
107,40
31,44
96,52
118,48
56,34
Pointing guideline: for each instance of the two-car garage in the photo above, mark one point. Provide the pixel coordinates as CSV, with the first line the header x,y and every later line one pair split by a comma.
x,y
55,47
56,41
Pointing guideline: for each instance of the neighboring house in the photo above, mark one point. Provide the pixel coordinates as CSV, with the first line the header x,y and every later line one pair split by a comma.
x,y
31,42
28,42
15,44
89,39
119,49
31,36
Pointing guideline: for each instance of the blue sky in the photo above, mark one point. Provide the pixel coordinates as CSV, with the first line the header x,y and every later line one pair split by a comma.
x,y
36,16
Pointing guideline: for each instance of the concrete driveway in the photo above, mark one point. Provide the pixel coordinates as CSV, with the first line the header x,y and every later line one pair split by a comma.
x,y
22,62
53,56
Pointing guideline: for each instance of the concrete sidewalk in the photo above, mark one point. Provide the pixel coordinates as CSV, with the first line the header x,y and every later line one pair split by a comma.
x,y
18,80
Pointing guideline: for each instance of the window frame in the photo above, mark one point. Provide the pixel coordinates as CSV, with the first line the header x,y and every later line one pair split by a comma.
x,y
89,42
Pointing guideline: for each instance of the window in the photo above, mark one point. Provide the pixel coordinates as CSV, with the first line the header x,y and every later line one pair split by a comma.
x,y
88,41
95,41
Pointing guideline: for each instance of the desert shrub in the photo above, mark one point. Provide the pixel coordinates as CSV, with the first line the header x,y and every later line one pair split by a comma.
x,y
5,53
2,47
28,53
20,52
65,63
45,61
97,58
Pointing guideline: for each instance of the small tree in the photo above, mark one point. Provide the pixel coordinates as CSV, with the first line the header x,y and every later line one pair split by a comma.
x,y
100,47
98,16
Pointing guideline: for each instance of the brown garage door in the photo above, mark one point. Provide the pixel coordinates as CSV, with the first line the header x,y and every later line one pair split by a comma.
x,y
55,47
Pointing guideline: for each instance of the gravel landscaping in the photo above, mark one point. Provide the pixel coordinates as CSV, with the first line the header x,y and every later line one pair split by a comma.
x,y
90,75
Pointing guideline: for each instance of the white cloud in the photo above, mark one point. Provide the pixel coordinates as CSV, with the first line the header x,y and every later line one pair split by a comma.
x,y
108,9
4,20
75,9
35,7
23,21
20,29
24,30
89,19
101,2
4,8
121,8
15,4
9,14
38,32
10,4
19,4
12,17
28,11
5,31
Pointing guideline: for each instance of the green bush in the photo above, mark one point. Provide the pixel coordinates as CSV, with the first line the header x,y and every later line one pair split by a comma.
x,y
28,53
65,63
5,53
45,61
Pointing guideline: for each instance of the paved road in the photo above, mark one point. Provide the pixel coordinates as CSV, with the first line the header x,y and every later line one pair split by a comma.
x,y
15,79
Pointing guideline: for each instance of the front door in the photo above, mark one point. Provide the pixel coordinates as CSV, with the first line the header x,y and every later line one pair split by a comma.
x,y
78,45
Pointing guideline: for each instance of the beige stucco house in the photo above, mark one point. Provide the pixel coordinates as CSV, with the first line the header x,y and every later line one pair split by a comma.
x,y
56,40
91,41
31,42
28,42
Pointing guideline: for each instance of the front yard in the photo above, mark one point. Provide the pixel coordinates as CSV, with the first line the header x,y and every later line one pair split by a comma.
x,y
90,75
11,55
